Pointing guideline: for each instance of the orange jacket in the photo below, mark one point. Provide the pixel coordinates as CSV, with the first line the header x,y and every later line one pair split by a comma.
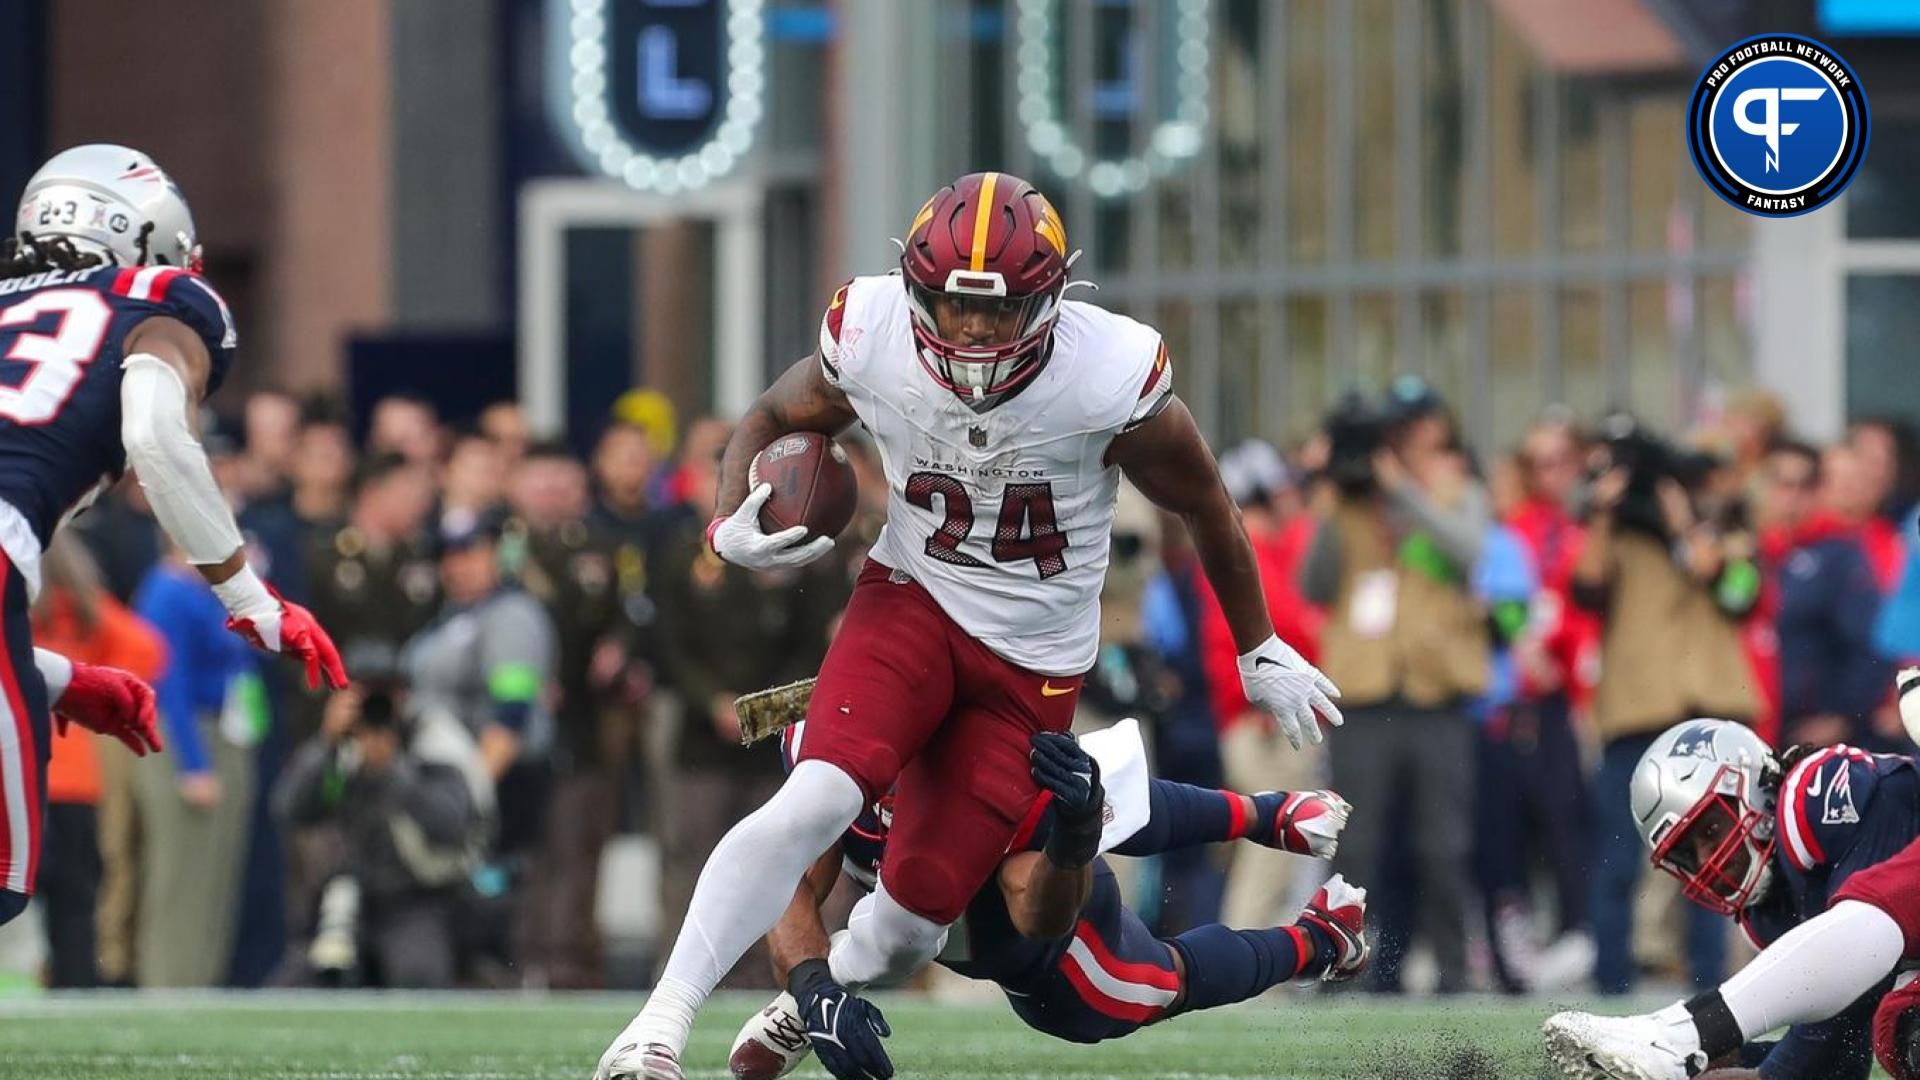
x,y
119,638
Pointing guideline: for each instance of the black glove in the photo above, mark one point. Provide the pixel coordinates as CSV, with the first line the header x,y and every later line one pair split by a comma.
x,y
845,1030
1060,766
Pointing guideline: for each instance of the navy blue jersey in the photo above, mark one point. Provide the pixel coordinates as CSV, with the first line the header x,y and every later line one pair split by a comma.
x,y
62,338
1105,980
1840,810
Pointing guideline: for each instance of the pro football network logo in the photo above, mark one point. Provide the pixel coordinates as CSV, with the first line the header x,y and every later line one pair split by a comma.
x,y
1778,125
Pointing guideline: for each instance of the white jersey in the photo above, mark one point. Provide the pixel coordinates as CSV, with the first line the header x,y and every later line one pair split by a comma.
x,y
1003,515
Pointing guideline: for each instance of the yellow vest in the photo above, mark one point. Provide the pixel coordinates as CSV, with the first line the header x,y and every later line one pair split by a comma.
x,y
1667,653
1435,650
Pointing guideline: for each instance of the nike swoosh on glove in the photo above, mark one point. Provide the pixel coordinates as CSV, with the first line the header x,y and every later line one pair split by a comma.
x,y
294,632
845,1030
1278,681
111,702
738,538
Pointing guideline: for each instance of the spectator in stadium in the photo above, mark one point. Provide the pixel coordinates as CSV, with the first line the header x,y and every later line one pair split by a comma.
x,y
725,630
1554,658
488,659
623,468
1406,642
1186,745
407,791
195,801
505,424
76,617
1670,594
1890,452
1755,420
322,472
1827,598
270,427
371,578
1857,483
1261,882
406,425
472,484
574,572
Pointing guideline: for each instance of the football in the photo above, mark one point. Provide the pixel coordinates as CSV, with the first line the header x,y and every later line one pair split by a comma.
x,y
813,484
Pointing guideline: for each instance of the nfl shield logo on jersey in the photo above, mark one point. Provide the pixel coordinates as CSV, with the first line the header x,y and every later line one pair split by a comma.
x,y
977,435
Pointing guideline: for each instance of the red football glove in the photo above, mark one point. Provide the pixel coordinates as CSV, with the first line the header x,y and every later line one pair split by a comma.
x,y
295,633
111,702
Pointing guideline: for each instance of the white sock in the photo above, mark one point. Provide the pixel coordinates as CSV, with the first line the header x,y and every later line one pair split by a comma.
x,y
1816,969
746,884
884,943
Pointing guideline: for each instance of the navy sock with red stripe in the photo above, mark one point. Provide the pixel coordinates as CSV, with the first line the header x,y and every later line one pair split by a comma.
x,y
1183,815
1224,966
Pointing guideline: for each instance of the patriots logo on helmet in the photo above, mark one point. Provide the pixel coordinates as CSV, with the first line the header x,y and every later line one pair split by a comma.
x,y
1694,741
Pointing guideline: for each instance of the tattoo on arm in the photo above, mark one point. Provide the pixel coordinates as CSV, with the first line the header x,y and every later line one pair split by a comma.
x,y
801,399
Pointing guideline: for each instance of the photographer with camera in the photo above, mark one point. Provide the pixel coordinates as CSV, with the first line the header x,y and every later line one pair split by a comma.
x,y
409,793
1670,585
1402,523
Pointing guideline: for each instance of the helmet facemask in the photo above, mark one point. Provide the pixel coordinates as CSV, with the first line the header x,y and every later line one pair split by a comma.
x,y
1721,849
977,341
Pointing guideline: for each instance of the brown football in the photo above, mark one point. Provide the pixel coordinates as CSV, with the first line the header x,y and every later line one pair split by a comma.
x,y
813,485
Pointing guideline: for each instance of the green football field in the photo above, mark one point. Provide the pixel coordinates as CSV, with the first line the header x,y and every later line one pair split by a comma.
x,y
372,1037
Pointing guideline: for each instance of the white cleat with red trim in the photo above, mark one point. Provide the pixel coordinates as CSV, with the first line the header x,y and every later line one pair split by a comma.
x,y
1340,911
772,1044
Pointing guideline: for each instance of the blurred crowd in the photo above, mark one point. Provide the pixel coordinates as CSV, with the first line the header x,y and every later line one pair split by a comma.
x,y
545,657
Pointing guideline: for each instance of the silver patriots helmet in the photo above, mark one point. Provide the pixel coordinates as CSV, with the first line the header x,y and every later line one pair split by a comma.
x,y
113,202
1703,797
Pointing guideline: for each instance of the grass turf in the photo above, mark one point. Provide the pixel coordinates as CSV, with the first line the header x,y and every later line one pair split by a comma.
x,y
159,1036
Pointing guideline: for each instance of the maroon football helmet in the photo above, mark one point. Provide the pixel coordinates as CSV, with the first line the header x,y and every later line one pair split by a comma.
x,y
985,263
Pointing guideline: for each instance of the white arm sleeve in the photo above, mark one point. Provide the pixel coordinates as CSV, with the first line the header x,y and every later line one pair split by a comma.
x,y
171,465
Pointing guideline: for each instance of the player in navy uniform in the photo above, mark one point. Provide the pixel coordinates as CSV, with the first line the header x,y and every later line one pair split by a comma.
x,y
1815,855
109,340
1051,930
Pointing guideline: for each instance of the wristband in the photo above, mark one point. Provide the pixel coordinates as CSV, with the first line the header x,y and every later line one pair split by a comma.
x,y
1073,844
245,597
714,527
806,975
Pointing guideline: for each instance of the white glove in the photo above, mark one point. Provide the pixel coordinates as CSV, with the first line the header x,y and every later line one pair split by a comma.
x,y
739,540
1278,681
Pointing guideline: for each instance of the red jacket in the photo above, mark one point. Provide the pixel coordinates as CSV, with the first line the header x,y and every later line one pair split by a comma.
x,y
1569,633
1279,556
1885,549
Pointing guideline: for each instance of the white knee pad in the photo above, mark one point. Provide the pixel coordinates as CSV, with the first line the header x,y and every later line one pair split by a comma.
x,y
883,943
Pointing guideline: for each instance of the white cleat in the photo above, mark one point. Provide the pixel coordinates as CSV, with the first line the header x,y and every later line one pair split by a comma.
x,y
1583,1046
627,1059
772,1044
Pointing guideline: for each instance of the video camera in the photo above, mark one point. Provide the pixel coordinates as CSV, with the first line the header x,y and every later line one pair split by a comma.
x,y
1648,459
1356,430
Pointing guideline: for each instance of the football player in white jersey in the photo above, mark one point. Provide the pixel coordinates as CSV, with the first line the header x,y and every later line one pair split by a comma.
x,y
1005,416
